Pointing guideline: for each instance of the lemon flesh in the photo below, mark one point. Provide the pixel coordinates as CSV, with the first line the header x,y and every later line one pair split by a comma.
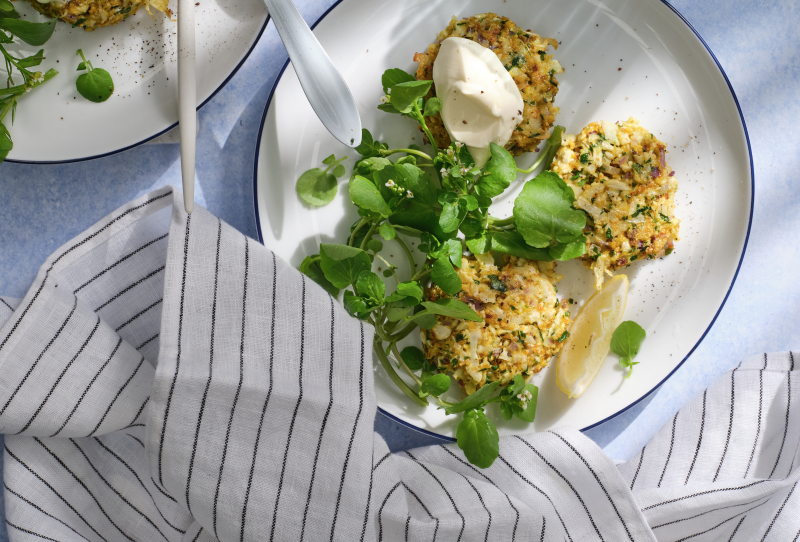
x,y
590,336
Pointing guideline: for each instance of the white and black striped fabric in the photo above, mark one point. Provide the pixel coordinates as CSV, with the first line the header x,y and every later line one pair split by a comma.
x,y
166,378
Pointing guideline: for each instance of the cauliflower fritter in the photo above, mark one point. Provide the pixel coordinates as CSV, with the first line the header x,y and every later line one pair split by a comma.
x,y
524,322
523,54
622,181
91,14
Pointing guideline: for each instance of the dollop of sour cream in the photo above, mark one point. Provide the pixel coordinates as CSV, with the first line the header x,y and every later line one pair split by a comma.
x,y
481,104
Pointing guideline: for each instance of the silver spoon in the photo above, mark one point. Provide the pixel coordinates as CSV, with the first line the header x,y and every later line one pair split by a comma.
x,y
324,87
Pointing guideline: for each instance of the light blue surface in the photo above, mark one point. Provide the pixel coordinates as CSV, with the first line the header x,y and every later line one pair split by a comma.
x,y
42,207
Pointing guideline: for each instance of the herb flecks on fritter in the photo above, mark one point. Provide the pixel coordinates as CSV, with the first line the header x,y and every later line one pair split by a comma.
x,y
524,55
621,178
524,323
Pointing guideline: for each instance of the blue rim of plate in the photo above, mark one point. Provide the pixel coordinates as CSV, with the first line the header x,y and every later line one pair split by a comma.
x,y
165,130
724,300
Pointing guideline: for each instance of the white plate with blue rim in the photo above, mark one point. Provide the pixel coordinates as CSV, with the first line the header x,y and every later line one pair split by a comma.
x,y
55,124
622,59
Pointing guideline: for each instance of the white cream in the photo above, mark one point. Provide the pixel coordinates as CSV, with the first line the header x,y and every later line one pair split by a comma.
x,y
481,104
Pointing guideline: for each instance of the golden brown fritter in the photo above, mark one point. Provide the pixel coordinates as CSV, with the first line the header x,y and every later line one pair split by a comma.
x,y
621,179
524,323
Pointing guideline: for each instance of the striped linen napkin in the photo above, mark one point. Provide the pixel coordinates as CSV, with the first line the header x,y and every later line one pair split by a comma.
x,y
166,378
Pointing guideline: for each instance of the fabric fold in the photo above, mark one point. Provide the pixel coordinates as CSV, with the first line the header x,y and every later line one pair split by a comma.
x,y
169,379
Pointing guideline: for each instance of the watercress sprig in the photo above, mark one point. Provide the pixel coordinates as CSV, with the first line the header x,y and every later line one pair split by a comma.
x,y
35,34
442,199
96,85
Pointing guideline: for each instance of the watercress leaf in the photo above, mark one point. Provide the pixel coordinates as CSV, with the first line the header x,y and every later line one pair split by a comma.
x,y
449,219
35,34
354,305
472,202
413,357
394,76
432,106
424,319
364,194
388,108
499,171
338,170
477,437
483,201
445,277
528,412
387,231
511,242
543,211
370,286
5,142
405,95
312,269
447,197
95,85
472,226
476,400
568,251
365,148
553,144
435,385
465,157
396,313
81,67
627,340
417,181
316,187
452,308
374,245
506,411
6,6
408,159
516,386
32,61
455,254
408,292
421,217
342,264
329,160
368,166
480,245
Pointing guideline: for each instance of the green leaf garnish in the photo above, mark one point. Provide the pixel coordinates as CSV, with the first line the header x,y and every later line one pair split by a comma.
x,y
312,269
477,437
95,85
342,264
435,385
445,277
452,308
365,195
543,212
35,34
626,342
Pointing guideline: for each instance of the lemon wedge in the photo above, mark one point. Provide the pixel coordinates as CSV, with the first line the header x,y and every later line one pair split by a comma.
x,y
590,336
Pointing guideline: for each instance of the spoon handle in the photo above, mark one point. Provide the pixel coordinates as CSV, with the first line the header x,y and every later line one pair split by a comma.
x,y
325,89
187,99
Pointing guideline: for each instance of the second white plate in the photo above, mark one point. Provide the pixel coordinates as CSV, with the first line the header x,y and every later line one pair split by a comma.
x,y
621,59
56,124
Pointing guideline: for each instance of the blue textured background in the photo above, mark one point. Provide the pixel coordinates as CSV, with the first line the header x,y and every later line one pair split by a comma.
x,y
757,43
